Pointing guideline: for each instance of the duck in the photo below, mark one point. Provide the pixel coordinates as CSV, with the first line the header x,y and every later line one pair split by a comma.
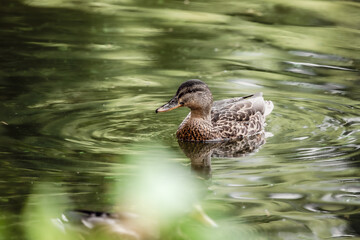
x,y
87,224
223,120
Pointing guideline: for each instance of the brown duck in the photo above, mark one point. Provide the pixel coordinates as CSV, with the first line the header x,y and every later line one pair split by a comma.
x,y
226,119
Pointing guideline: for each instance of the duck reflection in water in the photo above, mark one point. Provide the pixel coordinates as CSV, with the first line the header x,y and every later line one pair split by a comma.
x,y
200,153
226,128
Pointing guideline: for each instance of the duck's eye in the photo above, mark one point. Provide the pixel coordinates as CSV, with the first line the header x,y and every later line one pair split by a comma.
x,y
181,103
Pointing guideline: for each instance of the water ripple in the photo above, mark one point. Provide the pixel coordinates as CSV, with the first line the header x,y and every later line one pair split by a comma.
x,y
328,208
305,122
101,125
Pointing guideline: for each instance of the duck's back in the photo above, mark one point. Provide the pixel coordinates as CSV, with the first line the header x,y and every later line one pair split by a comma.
x,y
243,116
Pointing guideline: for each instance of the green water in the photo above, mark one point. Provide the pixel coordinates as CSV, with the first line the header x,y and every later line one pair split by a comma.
x,y
80,82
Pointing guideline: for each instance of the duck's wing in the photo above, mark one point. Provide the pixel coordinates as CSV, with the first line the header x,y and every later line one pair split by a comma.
x,y
240,116
226,103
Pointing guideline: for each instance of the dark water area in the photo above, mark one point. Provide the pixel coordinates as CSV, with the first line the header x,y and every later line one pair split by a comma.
x,y
80,82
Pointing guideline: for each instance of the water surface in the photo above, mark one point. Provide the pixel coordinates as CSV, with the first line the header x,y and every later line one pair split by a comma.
x,y
80,81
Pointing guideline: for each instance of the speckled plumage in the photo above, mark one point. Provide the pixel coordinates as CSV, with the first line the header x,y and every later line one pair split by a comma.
x,y
220,120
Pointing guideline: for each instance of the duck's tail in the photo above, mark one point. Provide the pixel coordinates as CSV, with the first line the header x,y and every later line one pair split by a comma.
x,y
269,106
259,101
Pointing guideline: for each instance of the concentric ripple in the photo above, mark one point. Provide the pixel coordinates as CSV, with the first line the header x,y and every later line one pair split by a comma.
x,y
331,125
102,125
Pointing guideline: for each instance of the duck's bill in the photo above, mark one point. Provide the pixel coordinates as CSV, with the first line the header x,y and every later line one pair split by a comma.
x,y
172,104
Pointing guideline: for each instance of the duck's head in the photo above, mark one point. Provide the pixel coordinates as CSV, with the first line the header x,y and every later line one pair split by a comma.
x,y
194,94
